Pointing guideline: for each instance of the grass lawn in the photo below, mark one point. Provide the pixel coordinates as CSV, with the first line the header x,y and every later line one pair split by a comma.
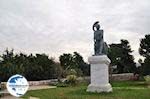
x,y
121,90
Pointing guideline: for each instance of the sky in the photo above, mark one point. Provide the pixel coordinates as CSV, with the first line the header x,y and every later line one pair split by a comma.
x,y
55,27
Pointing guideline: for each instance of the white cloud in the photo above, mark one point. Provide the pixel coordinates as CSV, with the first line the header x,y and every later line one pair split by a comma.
x,y
58,26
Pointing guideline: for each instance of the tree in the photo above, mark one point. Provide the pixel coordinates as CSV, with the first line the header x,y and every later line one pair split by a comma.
x,y
74,61
120,55
66,61
41,67
145,67
9,65
38,67
144,50
80,64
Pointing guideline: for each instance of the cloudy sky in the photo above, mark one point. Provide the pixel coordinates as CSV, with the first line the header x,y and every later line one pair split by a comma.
x,y
63,26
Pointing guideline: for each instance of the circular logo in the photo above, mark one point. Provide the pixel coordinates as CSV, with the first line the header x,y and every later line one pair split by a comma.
x,y
17,85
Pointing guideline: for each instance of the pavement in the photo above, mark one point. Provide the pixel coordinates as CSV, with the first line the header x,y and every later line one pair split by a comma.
x,y
8,96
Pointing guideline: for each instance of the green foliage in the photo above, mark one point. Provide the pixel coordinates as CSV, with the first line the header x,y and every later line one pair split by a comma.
x,y
10,64
62,84
36,67
72,72
79,72
120,55
66,61
144,50
82,67
145,68
121,90
71,80
76,62
147,79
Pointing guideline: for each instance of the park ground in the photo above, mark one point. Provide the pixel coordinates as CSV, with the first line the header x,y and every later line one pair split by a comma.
x,y
121,90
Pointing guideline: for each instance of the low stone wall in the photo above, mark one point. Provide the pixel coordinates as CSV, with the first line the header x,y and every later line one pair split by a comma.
x,y
42,82
121,77
116,77
113,77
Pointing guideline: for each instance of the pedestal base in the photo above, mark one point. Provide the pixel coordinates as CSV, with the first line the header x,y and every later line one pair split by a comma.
x,y
99,88
99,74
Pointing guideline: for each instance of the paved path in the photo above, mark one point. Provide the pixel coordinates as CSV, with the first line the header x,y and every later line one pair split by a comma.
x,y
9,97
30,88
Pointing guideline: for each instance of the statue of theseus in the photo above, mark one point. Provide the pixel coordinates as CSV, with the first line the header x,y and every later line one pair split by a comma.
x,y
100,47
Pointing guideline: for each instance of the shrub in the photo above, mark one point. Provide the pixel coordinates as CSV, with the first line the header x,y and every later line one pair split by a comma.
x,y
147,79
61,84
72,72
33,67
71,80
79,72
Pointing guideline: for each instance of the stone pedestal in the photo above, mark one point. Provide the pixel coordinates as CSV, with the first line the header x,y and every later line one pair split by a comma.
x,y
99,74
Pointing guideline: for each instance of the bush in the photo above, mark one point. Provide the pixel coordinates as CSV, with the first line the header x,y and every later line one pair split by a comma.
x,y
71,80
79,72
33,67
147,79
71,72
62,84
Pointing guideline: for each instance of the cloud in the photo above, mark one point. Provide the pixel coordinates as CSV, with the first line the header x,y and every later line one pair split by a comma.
x,y
58,26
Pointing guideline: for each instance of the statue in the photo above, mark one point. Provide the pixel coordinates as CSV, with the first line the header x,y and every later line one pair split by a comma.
x,y
100,47
99,64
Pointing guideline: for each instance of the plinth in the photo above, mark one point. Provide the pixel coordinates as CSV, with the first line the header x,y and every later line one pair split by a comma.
x,y
99,74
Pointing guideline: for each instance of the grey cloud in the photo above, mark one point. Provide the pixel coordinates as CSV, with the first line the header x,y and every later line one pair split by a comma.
x,y
57,26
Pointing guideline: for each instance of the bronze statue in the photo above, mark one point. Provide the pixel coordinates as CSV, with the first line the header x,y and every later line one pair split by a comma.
x,y
100,47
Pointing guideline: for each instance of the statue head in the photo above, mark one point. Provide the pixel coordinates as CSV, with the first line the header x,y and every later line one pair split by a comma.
x,y
96,25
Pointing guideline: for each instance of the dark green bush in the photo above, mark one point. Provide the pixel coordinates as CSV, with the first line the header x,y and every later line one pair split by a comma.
x,y
33,67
